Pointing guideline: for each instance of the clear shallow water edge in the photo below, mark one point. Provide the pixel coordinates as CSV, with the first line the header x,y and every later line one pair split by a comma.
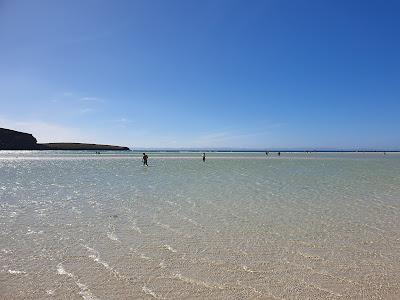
x,y
240,225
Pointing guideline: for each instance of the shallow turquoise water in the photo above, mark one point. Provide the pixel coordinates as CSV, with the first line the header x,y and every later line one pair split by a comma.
x,y
240,225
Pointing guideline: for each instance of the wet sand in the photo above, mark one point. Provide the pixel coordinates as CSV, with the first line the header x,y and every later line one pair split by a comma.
x,y
81,226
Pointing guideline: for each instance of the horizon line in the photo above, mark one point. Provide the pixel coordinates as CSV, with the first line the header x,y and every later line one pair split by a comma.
x,y
238,149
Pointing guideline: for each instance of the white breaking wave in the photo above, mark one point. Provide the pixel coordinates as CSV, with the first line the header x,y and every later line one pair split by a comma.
x,y
16,272
149,292
113,237
169,248
84,290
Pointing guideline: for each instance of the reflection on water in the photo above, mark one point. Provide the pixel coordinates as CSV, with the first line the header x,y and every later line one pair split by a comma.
x,y
240,225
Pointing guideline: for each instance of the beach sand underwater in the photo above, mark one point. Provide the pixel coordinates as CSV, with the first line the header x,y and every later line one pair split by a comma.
x,y
76,225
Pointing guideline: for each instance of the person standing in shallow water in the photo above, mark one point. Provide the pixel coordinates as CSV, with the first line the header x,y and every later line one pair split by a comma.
x,y
145,157
204,157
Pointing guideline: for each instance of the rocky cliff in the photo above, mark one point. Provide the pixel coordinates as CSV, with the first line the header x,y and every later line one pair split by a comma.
x,y
15,140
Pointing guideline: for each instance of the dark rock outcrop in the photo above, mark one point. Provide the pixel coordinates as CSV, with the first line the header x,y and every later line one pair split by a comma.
x,y
15,140
80,146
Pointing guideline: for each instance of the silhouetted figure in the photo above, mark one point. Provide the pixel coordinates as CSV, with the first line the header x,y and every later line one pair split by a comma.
x,y
204,157
145,157
384,153
279,154
266,153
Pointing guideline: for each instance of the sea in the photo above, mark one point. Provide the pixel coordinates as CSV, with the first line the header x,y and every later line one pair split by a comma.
x,y
81,225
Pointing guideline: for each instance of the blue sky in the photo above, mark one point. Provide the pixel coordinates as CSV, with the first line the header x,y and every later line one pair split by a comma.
x,y
248,74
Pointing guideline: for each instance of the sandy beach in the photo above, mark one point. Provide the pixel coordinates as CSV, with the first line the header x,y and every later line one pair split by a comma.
x,y
86,226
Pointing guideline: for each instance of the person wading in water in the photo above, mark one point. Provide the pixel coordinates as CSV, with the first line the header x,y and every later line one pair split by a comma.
x,y
204,157
145,157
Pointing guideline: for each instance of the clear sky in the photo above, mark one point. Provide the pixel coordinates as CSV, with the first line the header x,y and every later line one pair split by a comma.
x,y
249,74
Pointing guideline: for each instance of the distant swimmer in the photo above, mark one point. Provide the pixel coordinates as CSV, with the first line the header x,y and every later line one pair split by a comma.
x,y
279,154
266,153
145,157
204,157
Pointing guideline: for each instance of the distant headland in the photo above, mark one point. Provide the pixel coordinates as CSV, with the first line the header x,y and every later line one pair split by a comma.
x,y
16,140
